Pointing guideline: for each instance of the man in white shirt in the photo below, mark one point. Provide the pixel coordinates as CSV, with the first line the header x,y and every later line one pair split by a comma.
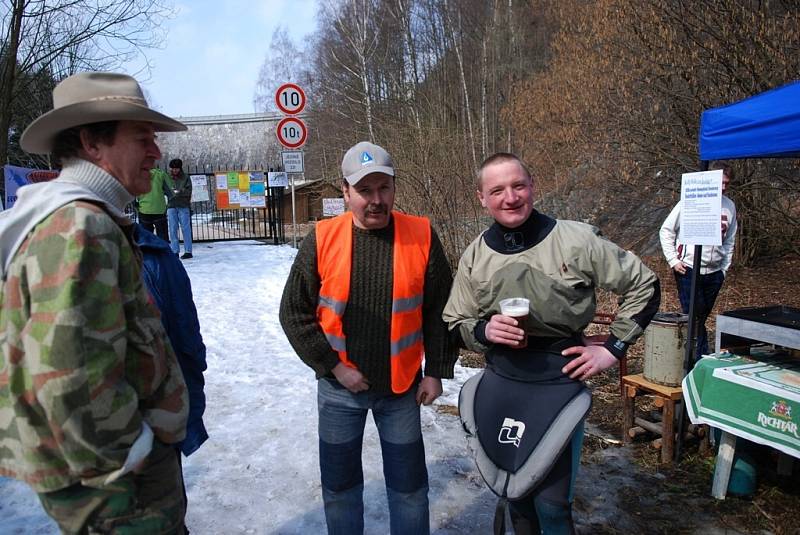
x,y
714,261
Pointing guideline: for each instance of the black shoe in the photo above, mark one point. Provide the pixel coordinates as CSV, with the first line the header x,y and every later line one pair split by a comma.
x,y
186,255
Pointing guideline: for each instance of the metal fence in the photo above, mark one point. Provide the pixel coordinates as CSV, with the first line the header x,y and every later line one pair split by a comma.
x,y
209,223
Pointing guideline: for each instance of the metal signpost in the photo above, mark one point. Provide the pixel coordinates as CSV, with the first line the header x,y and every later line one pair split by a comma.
x,y
701,200
292,133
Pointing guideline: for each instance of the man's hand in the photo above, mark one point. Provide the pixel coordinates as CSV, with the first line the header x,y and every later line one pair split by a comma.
x,y
503,330
590,361
350,378
680,268
429,389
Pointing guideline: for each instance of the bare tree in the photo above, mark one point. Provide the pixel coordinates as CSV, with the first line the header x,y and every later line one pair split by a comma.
x,y
284,62
617,110
355,25
53,39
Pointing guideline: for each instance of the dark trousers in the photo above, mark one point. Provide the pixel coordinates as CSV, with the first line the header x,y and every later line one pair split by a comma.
x,y
155,224
548,509
708,287
150,501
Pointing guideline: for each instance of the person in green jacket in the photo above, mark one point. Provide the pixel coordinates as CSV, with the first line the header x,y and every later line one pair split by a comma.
x,y
153,205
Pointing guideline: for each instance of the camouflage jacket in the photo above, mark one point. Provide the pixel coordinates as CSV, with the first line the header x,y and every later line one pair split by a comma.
x,y
86,369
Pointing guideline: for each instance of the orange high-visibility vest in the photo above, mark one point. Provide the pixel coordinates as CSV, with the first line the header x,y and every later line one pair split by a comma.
x,y
412,243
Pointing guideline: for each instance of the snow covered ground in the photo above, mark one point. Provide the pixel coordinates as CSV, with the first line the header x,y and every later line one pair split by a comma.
x,y
259,473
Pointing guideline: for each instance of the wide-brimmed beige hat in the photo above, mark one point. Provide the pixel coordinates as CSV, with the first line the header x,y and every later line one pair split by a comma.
x,y
92,97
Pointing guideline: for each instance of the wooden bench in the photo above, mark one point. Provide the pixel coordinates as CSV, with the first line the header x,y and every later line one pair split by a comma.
x,y
664,398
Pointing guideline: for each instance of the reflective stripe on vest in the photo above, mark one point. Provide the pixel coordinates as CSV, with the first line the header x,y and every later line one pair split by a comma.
x,y
412,240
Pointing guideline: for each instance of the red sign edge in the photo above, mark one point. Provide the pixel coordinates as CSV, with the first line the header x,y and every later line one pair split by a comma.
x,y
302,127
299,90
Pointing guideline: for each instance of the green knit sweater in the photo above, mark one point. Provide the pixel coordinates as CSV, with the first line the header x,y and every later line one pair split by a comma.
x,y
367,319
153,202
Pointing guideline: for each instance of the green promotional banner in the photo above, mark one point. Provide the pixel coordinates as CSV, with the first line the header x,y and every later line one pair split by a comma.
x,y
756,400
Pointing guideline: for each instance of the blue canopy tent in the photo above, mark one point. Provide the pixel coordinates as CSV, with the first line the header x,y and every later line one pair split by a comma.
x,y
766,125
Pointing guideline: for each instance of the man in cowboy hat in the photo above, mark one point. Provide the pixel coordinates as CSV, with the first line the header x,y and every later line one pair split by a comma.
x,y
91,395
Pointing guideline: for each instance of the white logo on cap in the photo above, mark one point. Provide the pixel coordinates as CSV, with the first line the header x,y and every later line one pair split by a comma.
x,y
366,158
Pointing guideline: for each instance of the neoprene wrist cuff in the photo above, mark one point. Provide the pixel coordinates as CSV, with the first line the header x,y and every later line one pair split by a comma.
x,y
480,332
615,346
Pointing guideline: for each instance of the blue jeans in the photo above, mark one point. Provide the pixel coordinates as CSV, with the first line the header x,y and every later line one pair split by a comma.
x,y
180,216
342,416
708,287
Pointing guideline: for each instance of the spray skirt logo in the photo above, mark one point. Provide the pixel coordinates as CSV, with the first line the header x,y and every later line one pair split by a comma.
x,y
511,432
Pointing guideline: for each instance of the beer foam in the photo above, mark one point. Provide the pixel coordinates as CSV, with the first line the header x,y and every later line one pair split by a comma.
x,y
514,310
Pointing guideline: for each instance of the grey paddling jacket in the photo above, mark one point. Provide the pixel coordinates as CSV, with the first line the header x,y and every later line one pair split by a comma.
x,y
559,274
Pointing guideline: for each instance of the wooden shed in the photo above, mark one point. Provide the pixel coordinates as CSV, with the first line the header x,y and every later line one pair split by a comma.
x,y
308,200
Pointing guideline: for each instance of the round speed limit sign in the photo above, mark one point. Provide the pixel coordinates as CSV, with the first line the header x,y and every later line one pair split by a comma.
x,y
292,132
290,99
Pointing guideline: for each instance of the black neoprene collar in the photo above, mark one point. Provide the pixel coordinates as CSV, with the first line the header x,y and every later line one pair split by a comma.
x,y
514,240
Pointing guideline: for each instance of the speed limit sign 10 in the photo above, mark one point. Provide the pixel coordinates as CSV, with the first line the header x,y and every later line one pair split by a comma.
x,y
290,99
292,132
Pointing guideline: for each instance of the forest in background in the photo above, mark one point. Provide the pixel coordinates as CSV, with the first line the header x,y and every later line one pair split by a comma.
x,y
601,98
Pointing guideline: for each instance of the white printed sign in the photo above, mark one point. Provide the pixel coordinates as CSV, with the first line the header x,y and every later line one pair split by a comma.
x,y
332,207
277,178
222,182
292,161
199,188
701,208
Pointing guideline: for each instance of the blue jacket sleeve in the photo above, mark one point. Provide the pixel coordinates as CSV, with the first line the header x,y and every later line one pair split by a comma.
x,y
171,289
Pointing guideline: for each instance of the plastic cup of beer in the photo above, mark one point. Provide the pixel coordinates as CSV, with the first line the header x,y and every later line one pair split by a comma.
x,y
519,309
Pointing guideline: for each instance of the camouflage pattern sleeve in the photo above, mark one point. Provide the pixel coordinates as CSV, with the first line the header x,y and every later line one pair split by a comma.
x,y
85,358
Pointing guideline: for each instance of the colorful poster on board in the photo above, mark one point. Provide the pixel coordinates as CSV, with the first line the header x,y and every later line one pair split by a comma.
x,y
241,189
222,198
257,194
199,188
16,177
256,188
244,181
